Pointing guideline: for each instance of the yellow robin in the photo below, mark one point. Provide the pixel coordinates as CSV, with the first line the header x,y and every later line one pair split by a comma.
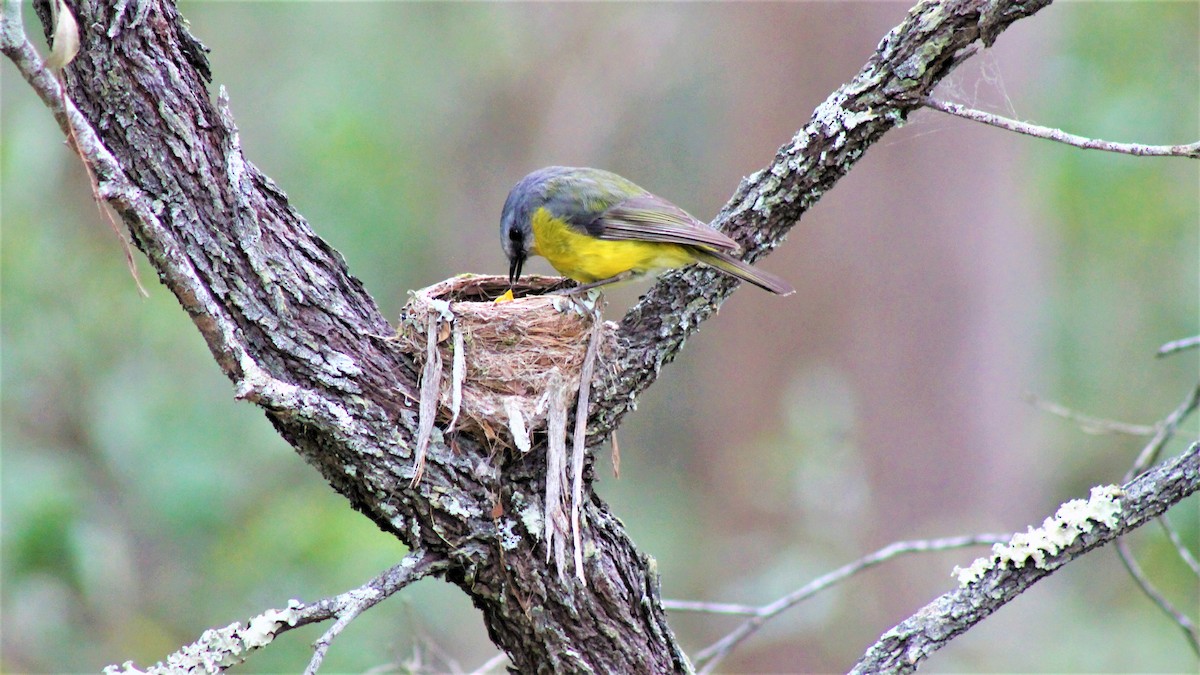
x,y
599,228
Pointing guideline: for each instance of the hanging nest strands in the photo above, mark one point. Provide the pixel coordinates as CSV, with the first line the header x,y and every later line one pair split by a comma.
x,y
508,370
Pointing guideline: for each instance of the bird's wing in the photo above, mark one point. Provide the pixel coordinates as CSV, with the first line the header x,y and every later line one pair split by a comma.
x,y
650,218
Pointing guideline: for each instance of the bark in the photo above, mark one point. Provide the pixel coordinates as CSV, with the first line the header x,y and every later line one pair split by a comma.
x,y
300,337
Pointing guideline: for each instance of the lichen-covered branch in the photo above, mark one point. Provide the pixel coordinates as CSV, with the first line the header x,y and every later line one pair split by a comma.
x,y
995,581
220,648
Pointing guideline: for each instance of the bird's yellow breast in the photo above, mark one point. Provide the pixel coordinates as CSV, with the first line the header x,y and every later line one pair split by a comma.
x,y
585,258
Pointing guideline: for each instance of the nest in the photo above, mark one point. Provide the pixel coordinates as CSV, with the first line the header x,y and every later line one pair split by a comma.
x,y
507,370
498,366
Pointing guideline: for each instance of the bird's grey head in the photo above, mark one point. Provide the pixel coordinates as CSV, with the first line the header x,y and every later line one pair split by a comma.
x,y
516,227
516,234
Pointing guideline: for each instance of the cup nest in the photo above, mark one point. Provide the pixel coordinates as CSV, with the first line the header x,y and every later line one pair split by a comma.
x,y
507,370
499,368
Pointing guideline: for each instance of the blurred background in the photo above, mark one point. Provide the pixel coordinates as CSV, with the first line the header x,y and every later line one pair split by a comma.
x,y
956,269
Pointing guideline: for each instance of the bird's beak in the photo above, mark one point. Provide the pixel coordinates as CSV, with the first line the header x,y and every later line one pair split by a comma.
x,y
515,264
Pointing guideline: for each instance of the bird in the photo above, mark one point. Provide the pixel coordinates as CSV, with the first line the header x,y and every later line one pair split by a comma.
x,y
598,228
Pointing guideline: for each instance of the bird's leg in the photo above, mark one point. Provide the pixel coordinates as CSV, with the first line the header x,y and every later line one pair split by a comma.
x,y
582,288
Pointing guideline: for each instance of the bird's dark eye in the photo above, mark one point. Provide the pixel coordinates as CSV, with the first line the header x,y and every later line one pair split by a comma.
x,y
515,235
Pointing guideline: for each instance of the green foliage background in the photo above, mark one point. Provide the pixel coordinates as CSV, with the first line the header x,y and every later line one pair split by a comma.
x,y
141,504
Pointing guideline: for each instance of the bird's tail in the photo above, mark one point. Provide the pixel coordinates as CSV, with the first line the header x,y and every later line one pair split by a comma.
x,y
729,264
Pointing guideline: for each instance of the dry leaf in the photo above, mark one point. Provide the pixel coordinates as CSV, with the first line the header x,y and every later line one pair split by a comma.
x,y
66,37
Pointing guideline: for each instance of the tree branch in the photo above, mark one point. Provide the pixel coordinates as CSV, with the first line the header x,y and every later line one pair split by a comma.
x,y
347,606
299,336
901,649
1164,432
1191,150
1150,591
1179,345
220,648
1089,424
711,656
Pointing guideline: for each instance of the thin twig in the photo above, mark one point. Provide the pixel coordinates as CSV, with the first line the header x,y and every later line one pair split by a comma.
x,y
491,664
1191,150
1183,551
1166,430
1180,619
416,565
1147,457
1089,424
713,654
321,646
1179,345
428,656
710,607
